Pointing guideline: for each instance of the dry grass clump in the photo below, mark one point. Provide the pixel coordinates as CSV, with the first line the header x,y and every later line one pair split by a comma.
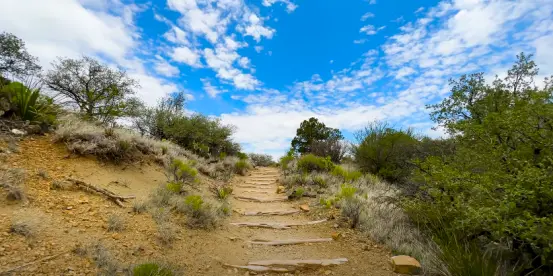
x,y
104,260
27,223
112,144
200,213
167,232
12,179
369,205
140,206
42,173
116,223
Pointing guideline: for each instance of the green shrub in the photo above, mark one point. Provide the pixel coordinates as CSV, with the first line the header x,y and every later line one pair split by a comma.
x,y
320,181
182,172
194,203
241,167
200,214
310,163
242,156
384,151
298,192
174,187
29,104
347,176
164,150
286,160
347,191
328,203
151,269
222,155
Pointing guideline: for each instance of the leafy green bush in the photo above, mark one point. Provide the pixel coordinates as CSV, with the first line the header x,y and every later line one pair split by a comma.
x,y
311,163
201,214
242,156
347,191
347,176
182,172
241,167
298,192
320,181
151,269
384,151
497,186
285,160
174,187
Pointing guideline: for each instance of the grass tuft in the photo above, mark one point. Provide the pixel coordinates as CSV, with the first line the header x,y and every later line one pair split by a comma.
x,y
116,223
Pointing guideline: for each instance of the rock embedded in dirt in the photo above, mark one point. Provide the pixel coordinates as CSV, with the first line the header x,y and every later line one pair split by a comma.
x,y
305,207
280,189
405,265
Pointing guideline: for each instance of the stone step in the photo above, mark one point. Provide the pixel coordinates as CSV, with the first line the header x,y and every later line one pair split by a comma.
x,y
268,212
290,241
276,225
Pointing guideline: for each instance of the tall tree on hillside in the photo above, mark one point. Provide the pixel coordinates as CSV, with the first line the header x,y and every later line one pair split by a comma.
x,y
313,131
14,58
97,90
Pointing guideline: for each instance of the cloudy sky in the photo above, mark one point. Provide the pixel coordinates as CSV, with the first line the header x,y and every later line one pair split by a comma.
x,y
266,65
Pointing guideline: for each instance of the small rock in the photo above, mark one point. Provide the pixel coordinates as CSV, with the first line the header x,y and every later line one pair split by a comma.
x,y
335,235
233,238
69,207
18,132
365,247
305,207
328,272
335,225
280,189
405,265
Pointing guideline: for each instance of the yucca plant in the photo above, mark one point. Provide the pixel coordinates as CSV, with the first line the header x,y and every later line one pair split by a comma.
x,y
28,104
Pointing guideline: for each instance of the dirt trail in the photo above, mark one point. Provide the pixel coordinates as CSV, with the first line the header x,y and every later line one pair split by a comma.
x,y
363,257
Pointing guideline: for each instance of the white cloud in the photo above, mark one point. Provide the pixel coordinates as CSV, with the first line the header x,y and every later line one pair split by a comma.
x,y
211,90
163,68
290,6
420,9
186,55
370,29
258,49
367,15
244,62
360,41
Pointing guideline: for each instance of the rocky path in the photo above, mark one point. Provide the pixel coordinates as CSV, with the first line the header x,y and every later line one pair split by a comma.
x,y
278,236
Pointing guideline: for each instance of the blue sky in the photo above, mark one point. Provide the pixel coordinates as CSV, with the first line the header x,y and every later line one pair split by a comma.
x,y
266,65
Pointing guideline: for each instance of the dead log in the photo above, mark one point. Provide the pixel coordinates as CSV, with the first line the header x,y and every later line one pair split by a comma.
x,y
258,268
117,199
299,263
289,242
276,225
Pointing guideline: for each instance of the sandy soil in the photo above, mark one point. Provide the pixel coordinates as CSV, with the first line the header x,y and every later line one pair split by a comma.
x,y
73,217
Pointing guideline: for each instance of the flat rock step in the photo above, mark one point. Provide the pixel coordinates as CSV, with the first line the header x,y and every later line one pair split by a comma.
x,y
276,225
289,242
261,199
288,265
254,186
267,213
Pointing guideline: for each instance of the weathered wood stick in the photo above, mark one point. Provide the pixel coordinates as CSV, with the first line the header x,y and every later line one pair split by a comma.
x,y
289,242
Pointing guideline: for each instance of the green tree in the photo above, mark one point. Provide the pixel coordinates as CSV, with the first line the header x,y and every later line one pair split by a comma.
x,y
311,131
14,58
97,90
497,187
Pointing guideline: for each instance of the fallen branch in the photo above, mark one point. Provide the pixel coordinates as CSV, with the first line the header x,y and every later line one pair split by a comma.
x,y
299,263
6,272
89,187
275,225
289,242
258,268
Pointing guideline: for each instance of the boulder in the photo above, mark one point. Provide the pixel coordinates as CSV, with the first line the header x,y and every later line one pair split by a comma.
x,y
305,207
18,132
405,265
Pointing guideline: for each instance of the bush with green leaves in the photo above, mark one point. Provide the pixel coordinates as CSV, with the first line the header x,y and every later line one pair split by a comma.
x,y
311,163
182,172
346,175
496,189
286,160
200,213
385,151
205,136
242,166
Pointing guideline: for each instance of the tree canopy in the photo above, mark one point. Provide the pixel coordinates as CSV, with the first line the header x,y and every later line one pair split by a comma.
x,y
310,131
97,90
14,58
